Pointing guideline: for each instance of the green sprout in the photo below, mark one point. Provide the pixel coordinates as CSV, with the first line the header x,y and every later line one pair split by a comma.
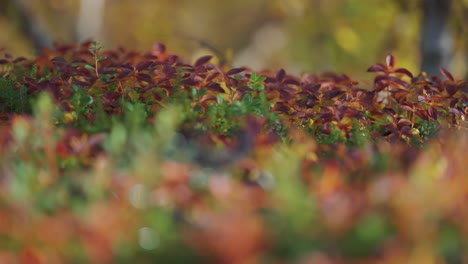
x,y
94,49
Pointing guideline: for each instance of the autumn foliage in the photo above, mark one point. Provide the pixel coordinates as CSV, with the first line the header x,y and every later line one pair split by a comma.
x,y
111,156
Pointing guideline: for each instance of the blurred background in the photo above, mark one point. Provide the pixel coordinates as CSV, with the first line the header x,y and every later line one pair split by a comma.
x,y
297,35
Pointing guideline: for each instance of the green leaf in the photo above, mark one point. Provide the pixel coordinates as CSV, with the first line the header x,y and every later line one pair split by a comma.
x,y
117,139
193,92
369,233
87,100
219,99
450,243
20,132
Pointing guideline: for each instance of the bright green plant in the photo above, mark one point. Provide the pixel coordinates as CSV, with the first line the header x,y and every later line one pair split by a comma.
x,y
95,49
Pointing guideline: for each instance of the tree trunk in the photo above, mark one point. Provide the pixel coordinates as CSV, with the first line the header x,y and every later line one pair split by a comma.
x,y
90,19
31,26
436,39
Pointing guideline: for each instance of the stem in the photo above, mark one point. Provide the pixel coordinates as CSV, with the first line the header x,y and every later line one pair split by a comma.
x,y
96,63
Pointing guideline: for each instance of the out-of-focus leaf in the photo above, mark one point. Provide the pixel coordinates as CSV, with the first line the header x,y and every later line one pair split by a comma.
x,y
234,71
377,68
390,60
404,71
447,74
203,60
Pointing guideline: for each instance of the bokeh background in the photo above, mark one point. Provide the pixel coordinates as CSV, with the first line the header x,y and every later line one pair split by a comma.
x,y
297,35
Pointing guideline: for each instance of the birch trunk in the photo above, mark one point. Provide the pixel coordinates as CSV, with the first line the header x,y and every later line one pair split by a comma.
x,y
90,17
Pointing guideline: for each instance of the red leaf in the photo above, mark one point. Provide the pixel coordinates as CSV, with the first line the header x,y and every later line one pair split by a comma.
x,y
144,77
422,114
379,86
377,68
3,61
269,80
124,73
285,95
403,122
404,71
422,99
432,112
143,65
407,108
213,75
96,139
390,60
59,59
159,48
62,149
232,82
147,88
281,107
127,66
203,60
280,75
438,81
455,111
211,67
80,83
150,56
244,88
235,71
207,97
452,89
398,81
464,87
171,59
406,130
215,87
380,78
29,256
190,82
20,59
291,81
447,74
311,88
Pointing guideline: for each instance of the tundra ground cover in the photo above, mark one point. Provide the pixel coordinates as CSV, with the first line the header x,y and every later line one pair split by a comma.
x,y
109,156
